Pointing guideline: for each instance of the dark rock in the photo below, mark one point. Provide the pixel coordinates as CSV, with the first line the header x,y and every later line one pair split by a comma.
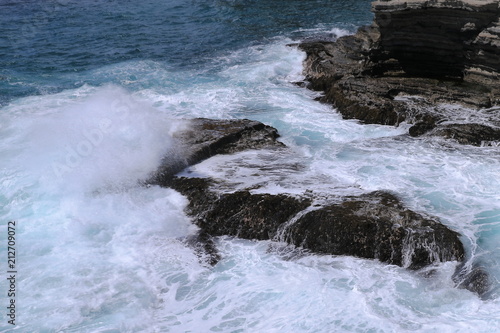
x,y
337,68
242,214
197,190
208,137
376,225
250,216
476,280
421,127
442,51
204,247
432,38
470,134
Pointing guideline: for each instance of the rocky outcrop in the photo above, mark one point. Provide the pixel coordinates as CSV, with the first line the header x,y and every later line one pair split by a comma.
x,y
203,138
374,226
442,51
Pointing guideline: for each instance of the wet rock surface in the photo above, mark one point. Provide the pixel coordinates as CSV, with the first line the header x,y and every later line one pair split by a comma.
x,y
441,51
241,213
377,225
373,225
475,279
203,138
471,134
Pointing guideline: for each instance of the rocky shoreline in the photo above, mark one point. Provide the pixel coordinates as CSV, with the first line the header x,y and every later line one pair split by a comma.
x,y
416,59
433,64
373,225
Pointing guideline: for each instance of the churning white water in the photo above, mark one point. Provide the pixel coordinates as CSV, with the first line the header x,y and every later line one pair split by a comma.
x,y
99,252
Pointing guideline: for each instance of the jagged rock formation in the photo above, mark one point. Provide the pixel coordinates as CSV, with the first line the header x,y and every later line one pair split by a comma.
x,y
204,138
443,51
375,225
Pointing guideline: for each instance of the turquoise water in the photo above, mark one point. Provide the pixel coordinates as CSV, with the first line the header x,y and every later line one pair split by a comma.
x,y
90,93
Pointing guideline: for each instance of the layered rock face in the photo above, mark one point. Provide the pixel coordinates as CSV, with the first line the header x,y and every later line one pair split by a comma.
x,y
484,59
438,38
439,51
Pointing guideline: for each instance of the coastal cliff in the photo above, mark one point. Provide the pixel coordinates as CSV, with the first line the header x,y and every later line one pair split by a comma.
x,y
442,39
414,57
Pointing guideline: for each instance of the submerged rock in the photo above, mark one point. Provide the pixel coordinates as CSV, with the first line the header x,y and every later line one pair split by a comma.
x,y
442,51
475,279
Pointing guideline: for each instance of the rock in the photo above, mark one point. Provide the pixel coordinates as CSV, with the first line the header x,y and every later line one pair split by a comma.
x,y
484,63
204,138
241,214
470,134
338,70
378,226
442,51
204,247
432,38
475,279
373,226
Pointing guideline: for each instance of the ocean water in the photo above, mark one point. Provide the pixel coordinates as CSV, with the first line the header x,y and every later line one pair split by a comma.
x,y
90,94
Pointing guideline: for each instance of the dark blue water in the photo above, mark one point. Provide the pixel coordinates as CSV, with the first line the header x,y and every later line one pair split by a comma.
x,y
47,46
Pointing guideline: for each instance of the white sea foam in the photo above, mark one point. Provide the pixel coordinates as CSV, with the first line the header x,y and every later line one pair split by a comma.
x,y
92,240
100,253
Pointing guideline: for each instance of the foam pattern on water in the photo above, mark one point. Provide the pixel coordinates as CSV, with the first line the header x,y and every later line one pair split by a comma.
x,y
101,253
315,293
